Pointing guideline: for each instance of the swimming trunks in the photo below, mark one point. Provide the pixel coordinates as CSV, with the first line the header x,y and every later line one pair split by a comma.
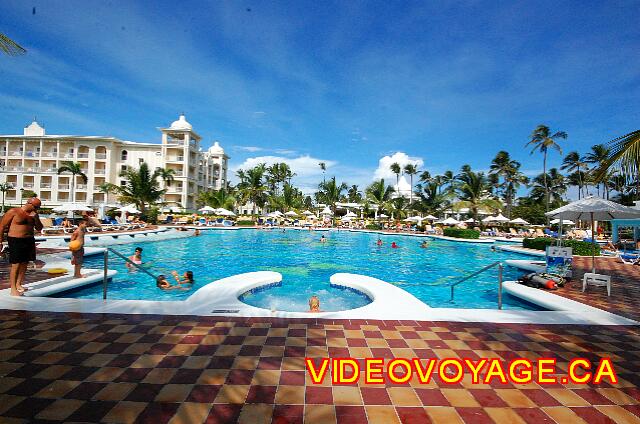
x,y
77,256
21,249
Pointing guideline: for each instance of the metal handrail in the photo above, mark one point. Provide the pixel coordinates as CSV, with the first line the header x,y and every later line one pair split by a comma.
x,y
120,255
480,271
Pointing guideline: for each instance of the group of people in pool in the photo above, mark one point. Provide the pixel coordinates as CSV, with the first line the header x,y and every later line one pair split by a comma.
x,y
394,245
184,282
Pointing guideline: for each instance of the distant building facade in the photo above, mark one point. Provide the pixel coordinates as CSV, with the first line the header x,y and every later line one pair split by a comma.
x,y
30,162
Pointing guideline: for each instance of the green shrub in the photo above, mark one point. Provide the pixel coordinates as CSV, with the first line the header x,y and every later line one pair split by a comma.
x,y
580,248
245,223
372,226
464,233
151,216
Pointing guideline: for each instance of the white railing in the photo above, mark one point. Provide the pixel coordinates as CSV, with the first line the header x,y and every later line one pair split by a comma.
x,y
68,155
50,154
28,185
45,185
63,186
99,171
15,154
83,155
81,186
101,155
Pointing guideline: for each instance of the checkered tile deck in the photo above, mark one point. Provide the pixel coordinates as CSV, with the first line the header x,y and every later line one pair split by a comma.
x,y
625,286
108,368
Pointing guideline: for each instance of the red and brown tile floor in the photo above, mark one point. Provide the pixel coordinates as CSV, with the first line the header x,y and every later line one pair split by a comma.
x,y
625,286
134,368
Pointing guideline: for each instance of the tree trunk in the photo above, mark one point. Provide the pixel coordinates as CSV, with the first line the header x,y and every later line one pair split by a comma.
x,y
546,188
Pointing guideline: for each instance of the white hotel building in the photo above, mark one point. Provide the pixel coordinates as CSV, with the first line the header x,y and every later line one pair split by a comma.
x,y
30,162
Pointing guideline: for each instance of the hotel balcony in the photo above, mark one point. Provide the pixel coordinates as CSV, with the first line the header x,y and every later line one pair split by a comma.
x,y
175,158
45,185
83,155
67,156
50,154
99,171
63,186
81,186
15,154
27,185
101,156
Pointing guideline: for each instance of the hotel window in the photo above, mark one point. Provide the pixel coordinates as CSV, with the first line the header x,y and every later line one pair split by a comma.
x,y
140,161
123,183
123,168
124,155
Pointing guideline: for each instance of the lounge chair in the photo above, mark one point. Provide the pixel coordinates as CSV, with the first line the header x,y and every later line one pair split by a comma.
x,y
49,227
629,259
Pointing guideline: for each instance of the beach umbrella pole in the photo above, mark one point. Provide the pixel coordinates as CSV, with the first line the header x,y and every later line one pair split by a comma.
x,y
593,251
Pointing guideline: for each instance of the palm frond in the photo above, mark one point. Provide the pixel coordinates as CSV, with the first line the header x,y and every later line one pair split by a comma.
x,y
10,47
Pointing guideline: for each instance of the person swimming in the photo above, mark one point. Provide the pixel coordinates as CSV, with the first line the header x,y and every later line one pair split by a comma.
x,y
314,304
379,242
164,284
424,244
394,245
323,239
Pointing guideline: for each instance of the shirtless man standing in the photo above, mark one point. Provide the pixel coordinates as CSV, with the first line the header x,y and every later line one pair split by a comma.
x,y
20,224
77,256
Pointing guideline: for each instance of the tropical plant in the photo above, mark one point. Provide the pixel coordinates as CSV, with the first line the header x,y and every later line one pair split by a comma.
x,y
10,47
396,169
379,194
549,186
166,175
223,198
323,167
542,140
142,187
354,195
430,199
251,187
473,193
624,157
574,163
508,169
4,187
75,169
28,194
330,192
399,207
411,170
598,157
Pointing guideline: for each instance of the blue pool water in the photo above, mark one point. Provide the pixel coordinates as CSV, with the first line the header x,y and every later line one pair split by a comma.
x,y
306,265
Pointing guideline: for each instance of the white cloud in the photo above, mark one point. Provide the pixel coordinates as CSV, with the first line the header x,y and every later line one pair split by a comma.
x,y
285,152
384,171
251,149
306,168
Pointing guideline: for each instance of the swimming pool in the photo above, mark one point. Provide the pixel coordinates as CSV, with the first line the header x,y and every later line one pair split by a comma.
x,y
306,265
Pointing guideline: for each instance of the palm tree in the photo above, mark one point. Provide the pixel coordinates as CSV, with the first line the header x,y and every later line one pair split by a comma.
x,y
395,168
411,170
574,163
430,199
251,186
509,170
556,187
222,198
542,140
624,157
167,175
323,167
353,194
4,187
10,47
473,192
330,192
75,168
141,188
379,194
598,157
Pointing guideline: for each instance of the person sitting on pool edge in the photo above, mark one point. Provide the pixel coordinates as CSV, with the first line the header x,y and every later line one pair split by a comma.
x,y
314,304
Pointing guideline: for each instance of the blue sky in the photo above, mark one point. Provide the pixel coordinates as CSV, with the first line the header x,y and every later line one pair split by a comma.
x,y
348,83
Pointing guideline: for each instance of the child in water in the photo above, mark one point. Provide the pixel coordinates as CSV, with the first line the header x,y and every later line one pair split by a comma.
x,y
314,304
